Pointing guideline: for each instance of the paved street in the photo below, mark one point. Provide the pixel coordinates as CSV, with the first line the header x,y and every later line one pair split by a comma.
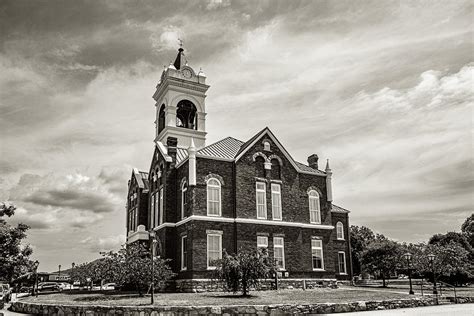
x,y
442,310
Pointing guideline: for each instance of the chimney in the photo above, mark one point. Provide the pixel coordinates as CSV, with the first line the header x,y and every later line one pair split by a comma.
x,y
172,143
313,161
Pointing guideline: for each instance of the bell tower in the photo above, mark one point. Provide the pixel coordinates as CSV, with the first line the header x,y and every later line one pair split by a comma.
x,y
180,104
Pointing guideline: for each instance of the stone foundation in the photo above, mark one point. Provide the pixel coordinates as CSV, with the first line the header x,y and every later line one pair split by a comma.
x,y
208,285
277,309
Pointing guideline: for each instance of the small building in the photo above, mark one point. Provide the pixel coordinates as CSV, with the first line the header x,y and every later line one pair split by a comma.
x,y
230,195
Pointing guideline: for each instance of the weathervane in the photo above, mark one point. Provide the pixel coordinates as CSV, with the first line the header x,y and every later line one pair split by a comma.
x,y
180,43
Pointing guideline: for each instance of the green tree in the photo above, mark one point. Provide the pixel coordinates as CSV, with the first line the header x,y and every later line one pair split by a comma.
x,y
14,257
244,270
361,237
445,239
382,258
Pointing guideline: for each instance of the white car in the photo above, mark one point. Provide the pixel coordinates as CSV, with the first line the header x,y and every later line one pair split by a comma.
x,y
105,287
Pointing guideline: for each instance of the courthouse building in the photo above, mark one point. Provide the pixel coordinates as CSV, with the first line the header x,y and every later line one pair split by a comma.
x,y
203,199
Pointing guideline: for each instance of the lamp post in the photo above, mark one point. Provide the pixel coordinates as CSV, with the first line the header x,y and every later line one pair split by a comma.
x,y
152,244
59,272
35,286
431,258
407,257
72,275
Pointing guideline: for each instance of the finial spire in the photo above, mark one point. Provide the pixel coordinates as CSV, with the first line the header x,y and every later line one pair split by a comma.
x,y
180,59
327,165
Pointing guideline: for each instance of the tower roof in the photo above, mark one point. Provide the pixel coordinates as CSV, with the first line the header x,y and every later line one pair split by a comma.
x,y
180,60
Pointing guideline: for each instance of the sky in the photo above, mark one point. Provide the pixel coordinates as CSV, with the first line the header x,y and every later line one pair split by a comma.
x,y
384,89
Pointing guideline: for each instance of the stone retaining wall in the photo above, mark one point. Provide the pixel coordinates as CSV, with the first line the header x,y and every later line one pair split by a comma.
x,y
277,309
208,285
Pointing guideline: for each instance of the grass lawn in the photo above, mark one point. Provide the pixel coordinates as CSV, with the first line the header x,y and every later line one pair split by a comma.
x,y
206,299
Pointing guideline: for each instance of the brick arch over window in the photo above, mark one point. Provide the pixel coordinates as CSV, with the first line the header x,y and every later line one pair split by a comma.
x,y
313,188
277,158
260,154
213,175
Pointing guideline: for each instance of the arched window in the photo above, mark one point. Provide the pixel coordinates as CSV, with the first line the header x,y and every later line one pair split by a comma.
x,y
339,230
276,169
266,146
314,209
213,197
259,167
161,119
184,197
186,115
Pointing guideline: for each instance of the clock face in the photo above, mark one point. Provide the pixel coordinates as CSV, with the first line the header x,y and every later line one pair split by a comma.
x,y
187,73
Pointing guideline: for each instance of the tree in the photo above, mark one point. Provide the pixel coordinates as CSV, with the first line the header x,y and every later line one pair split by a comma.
x,y
467,229
132,265
14,257
361,237
244,270
445,239
382,257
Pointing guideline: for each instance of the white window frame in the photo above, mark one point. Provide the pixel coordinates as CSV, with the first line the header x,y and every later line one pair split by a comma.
x,y
314,195
184,254
184,190
262,242
152,215
264,191
282,246
161,207
340,231
274,185
214,186
314,247
157,209
266,146
210,267
339,262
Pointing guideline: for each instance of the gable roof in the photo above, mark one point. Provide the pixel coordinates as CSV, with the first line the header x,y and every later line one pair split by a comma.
x,y
232,149
297,165
141,177
339,209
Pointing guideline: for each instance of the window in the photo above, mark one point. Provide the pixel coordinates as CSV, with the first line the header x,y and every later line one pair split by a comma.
x,y
262,242
276,201
184,198
214,249
279,252
276,169
213,197
161,210
339,230
314,211
261,200
152,209
184,253
266,146
317,254
157,209
342,262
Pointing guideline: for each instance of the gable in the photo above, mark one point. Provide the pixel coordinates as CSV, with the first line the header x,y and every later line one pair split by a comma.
x,y
259,137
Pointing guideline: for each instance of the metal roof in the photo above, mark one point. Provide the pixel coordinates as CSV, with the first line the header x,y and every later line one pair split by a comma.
x,y
226,148
339,209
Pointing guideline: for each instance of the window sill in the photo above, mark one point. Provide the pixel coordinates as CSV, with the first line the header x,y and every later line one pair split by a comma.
x,y
277,219
264,218
341,239
214,215
315,223
211,268
319,270
342,273
185,269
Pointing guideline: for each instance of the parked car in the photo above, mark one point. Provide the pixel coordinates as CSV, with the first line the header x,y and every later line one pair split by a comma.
x,y
5,293
65,286
49,286
105,287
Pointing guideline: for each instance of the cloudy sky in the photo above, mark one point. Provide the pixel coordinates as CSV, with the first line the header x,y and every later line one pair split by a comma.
x,y
381,88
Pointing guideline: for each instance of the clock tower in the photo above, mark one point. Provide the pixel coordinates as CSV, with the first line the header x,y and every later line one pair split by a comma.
x,y
180,104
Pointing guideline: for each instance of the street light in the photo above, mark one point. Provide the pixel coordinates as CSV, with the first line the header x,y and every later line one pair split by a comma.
x,y
153,242
407,257
35,287
431,258
72,275
59,272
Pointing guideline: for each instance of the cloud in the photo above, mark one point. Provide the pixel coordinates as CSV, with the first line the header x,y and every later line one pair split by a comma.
x,y
216,4
73,191
104,243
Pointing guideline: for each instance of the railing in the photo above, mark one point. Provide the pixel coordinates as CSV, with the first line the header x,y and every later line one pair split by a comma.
x,y
447,286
